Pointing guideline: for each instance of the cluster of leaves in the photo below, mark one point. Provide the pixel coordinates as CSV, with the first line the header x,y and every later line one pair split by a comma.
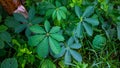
x,y
61,33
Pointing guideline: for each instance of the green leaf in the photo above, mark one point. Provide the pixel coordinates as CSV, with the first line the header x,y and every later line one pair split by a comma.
x,y
92,21
37,29
48,64
34,40
5,36
62,14
3,28
88,28
58,16
55,29
31,13
75,46
67,57
20,18
57,37
49,12
54,45
54,14
43,48
20,28
63,9
1,44
9,63
37,20
79,30
89,10
76,55
47,26
78,11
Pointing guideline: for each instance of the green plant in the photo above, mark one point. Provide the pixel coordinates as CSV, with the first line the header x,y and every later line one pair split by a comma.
x,y
9,63
85,21
27,22
4,36
46,40
68,50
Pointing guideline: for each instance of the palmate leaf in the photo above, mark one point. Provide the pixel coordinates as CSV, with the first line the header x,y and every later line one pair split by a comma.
x,y
43,48
34,40
75,46
67,58
37,20
77,11
20,17
31,13
47,26
54,45
76,55
88,28
54,15
57,37
55,29
37,29
58,15
92,21
89,10
62,14
20,28
79,30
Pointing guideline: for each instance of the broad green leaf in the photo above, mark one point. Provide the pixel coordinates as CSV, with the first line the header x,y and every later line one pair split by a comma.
x,y
34,40
54,45
48,64
20,17
63,9
37,29
57,37
20,28
5,36
37,20
49,12
54,15
88,28
3,28
75,46
62,14
55,29
1,44
92,21
67,57
58,4
9,63
47,26
118,31
78,11
31,13
89,10
76,55
58,15
43,48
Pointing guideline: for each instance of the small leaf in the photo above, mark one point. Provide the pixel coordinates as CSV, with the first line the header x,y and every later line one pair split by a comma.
x,y
63,9
42,48
62,14
3,28
20,17
70,41
31,13
76,55
79,30
89,10
118,31
37,29
9,63
34,40
58,15
57,37
55,29
75,46
88,28
78,11
67,57
37,20
54,45
47,26
20,28
54,15
92,21
1,44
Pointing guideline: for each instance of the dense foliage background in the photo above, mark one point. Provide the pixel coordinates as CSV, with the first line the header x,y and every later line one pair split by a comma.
x,y
62,34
